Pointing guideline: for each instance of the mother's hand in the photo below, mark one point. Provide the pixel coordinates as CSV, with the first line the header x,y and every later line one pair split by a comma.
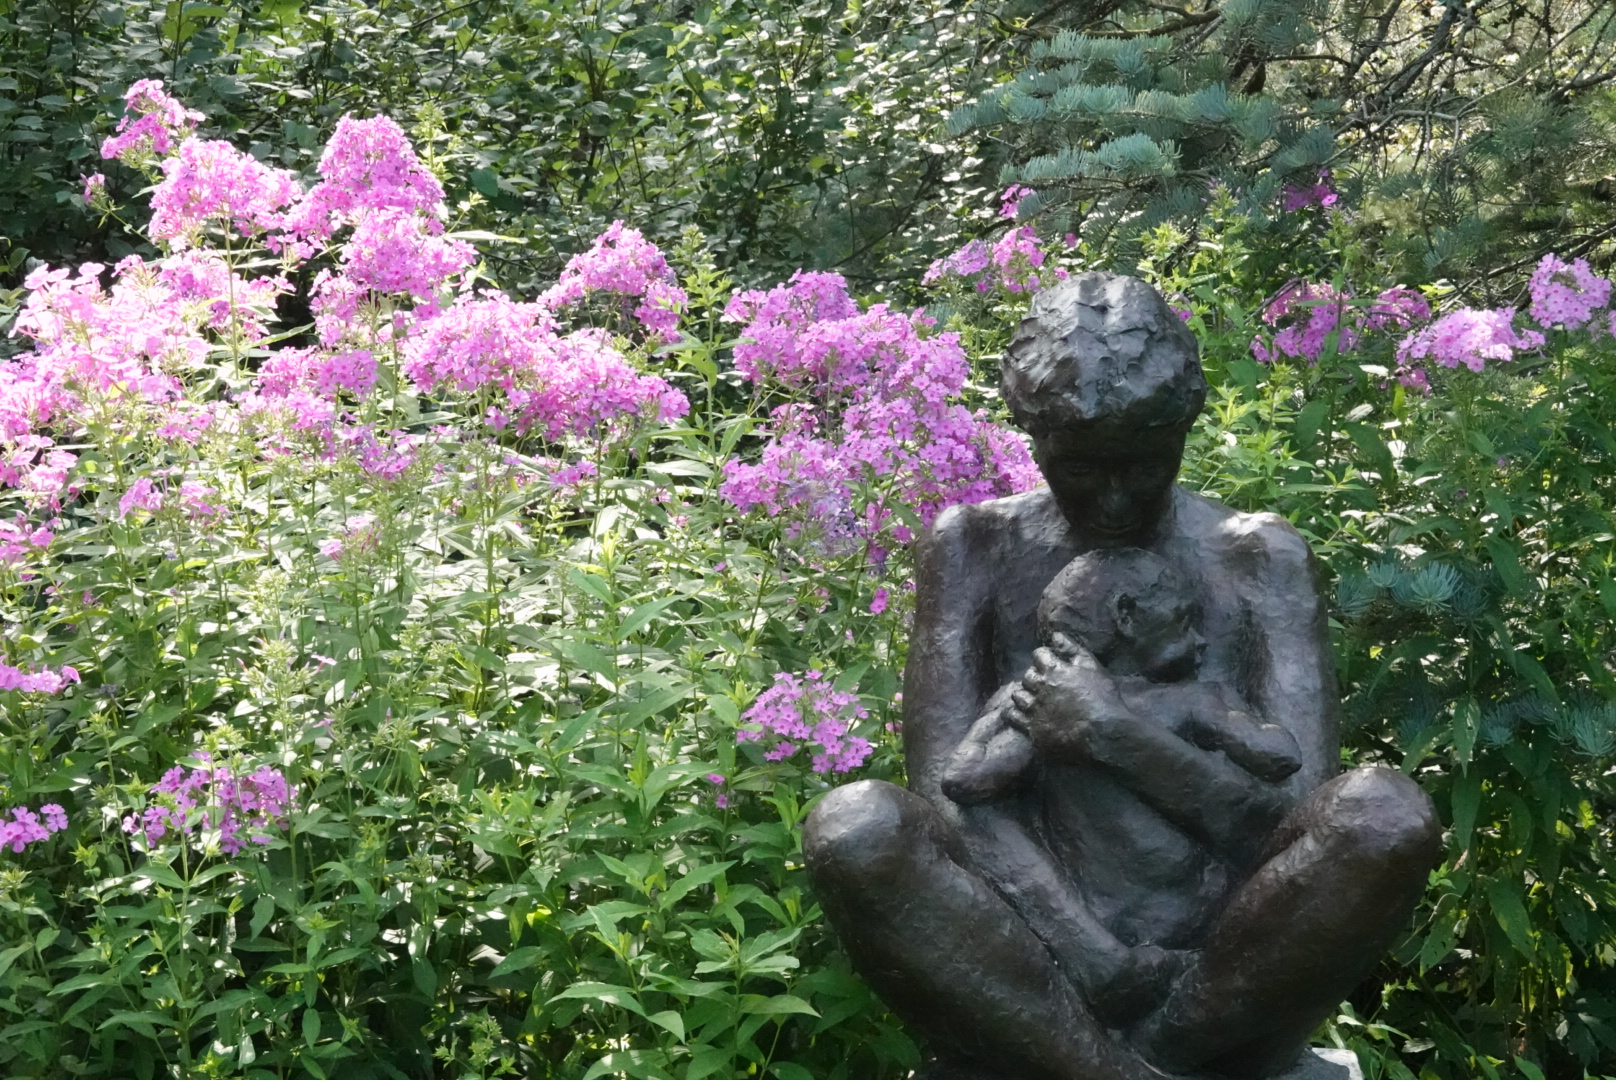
x,y
1067,701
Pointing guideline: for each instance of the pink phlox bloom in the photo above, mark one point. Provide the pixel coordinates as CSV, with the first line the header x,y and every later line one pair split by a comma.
x,y
368,165
808,710
42,681
620,261
25,828
142,495
1470,337
215,797
21,542
1317,194
152,123
1414,378
194,496
1307,314
1010,202
878,386
575,475
1397,308
878,603
1565,293
211,184
395,250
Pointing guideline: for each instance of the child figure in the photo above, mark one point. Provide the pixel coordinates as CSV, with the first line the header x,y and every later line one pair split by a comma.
x,y
1134,614
1130,610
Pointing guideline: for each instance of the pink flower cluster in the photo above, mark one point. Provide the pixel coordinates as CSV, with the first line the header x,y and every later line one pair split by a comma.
x,y
622,262
20,541
1470,337
1015,259
1306,314
25,828
367,166
808,710
1320,193
153,123
874,423
545,382
43,681
212,184
214,797
1567,293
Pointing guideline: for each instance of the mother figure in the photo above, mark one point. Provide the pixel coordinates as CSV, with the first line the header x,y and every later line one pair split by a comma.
x,y
1156,910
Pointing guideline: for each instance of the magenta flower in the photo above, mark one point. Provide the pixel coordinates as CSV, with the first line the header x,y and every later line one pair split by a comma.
x,y
879,603
1469,337
213,797
1317,194
140,496
43,681
622,262
1566,293
212,184
25,828
875,415
152,124
810,711
368,165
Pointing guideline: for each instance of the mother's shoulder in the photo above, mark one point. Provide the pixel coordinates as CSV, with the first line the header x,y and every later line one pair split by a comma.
x,y
1261,538
1031,515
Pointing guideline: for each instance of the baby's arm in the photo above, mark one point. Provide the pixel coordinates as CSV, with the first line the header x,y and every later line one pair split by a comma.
x,y
1215,722
992,760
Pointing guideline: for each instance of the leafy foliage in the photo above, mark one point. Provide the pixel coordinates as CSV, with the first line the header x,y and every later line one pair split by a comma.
x,y
793,135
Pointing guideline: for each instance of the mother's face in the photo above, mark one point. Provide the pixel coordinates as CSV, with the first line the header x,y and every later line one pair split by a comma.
x,y
1112,492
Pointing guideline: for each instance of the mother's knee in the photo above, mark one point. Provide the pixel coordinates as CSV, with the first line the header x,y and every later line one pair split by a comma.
x,y
1380,816
866,832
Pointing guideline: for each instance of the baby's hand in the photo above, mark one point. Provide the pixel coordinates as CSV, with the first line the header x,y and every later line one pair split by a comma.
x,y
1066,700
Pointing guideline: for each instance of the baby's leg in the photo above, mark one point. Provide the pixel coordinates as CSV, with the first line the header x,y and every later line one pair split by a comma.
x,y
1020,868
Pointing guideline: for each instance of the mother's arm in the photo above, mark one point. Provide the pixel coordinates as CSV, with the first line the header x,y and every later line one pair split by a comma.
x,y
1290,675
1072,710
951,666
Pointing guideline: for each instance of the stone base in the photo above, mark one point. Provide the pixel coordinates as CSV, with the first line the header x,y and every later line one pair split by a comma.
x,y
1314,1064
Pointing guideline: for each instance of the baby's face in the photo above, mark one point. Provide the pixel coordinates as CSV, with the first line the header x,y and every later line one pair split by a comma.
x,y
1159,640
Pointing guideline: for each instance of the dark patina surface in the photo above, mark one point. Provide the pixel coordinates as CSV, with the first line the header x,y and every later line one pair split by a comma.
x,y
1143,905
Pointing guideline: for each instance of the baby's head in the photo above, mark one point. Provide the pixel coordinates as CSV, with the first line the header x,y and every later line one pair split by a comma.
x,y
1130,609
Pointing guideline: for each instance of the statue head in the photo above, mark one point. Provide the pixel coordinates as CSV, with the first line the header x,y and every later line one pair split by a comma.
x,y
1107,380
1130,609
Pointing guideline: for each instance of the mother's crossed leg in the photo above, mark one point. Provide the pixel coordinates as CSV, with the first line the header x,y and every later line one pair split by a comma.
x,y
942,949
1340,875
965,972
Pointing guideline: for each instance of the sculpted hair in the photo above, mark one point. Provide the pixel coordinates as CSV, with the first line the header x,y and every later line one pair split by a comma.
x,y
1101,351
1083,600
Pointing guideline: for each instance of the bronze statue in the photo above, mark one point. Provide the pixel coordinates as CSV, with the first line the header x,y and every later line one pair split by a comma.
x,y
1126,850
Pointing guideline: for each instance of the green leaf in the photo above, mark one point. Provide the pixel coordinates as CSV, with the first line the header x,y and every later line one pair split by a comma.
x,y
1466,725
670,1021
1528,1070
1466,801
520,959
1504,898
641,617
698,877
621,996
486,183
778,1005
706,1060
311,1027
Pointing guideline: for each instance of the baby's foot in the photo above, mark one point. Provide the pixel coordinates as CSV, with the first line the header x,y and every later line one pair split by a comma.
x,y
1139,986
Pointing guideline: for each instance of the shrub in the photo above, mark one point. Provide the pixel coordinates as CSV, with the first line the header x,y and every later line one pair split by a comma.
x,y
401,694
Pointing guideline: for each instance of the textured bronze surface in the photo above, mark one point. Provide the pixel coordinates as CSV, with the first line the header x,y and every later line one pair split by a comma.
x,y
1126,849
